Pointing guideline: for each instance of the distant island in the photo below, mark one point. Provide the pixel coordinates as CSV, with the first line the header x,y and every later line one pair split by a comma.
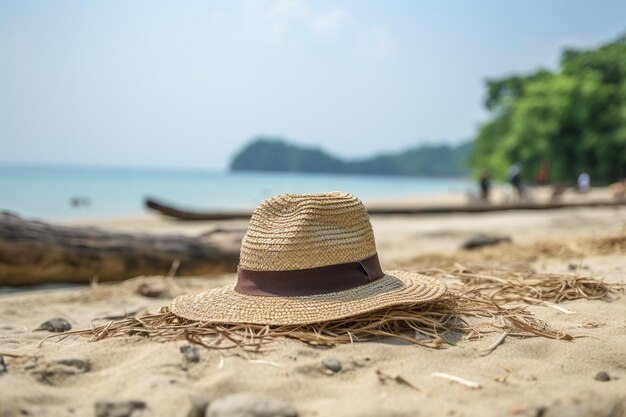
x,y
277,155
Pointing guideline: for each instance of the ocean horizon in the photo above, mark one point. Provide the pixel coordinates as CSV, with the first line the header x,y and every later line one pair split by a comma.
x,y
46,192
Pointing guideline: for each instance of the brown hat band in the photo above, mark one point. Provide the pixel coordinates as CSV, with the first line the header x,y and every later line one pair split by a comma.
x,y
312,281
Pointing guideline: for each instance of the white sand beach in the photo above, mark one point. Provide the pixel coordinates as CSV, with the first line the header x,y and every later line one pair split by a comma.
x,y
521,377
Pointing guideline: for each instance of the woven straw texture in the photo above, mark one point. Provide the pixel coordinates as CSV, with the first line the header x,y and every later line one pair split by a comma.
x,y
300,231
225,305
291,232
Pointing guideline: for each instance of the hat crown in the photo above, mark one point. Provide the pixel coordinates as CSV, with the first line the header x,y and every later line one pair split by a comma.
x,y
301,231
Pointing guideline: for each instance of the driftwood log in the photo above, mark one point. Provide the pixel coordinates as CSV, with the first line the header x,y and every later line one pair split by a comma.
x,y
34,252
182,214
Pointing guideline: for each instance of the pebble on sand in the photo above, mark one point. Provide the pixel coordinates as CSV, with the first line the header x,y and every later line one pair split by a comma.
x,y
118,408
332,364
79,364
150,290
57,325
56,372
249,405
602,376
481,240
190,353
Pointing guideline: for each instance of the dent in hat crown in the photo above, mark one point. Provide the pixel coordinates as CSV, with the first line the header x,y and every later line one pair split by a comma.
x,y
301,231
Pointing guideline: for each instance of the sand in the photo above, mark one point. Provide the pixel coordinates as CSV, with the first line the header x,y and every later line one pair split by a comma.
x,y
522,377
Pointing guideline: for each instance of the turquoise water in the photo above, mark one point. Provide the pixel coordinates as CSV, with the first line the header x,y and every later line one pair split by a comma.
x,y
45,192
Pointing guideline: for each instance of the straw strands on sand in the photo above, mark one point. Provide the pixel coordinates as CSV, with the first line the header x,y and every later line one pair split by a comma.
x,y
505,286
436,325
483,301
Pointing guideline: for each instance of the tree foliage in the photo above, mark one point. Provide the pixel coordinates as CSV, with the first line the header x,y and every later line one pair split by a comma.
x,y
571,120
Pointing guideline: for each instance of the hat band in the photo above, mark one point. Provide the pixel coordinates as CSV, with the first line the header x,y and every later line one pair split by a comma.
x,y
312,281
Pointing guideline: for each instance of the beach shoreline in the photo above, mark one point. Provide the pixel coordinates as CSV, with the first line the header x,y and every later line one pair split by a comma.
x,y
400,236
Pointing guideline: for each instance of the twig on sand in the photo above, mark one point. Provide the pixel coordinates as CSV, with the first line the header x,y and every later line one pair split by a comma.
x,y
264,362
559,308
457,379
173,268
382,376
590,324
495,344
220,365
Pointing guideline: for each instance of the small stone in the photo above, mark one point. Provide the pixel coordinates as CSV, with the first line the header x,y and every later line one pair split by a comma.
x,y
332,364
150,290
57,325
3,366
58,371
602,376
118,408
190,353
79,364
481,240
249,405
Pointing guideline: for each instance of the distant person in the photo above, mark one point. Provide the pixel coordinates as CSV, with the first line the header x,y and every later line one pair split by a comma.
x,y
584,183
485,185
514,174
543,175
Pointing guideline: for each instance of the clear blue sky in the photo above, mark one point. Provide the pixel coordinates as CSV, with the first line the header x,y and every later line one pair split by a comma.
x,y
187,83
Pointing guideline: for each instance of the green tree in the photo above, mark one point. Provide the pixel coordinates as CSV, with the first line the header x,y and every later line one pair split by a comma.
x,y
574,119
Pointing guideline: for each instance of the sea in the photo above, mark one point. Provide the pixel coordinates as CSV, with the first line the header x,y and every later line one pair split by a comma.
x,y
64,192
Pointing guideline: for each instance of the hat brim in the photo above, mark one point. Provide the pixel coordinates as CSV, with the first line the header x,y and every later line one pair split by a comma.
x,y
225,305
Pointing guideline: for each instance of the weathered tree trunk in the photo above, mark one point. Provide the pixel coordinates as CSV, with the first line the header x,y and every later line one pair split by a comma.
x,y
180,214
33,252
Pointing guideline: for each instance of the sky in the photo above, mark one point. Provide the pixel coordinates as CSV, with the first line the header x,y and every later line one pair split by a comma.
x,y
186,84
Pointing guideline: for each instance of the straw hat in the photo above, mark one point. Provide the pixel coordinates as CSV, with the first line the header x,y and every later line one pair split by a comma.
x,y
307,259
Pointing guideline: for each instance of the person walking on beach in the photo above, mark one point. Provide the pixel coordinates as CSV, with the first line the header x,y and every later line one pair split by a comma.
x,y
584,183
514,174
485,185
